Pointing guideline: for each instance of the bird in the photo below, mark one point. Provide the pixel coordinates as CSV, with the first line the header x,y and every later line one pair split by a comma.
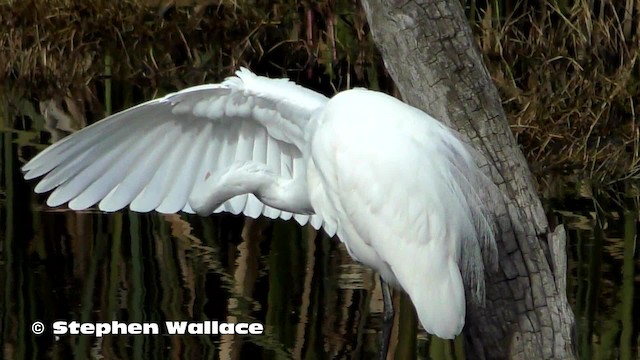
x,y
400,189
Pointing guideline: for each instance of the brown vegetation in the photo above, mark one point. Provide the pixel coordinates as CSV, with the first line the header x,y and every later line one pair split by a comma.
x,y
569,76
568,70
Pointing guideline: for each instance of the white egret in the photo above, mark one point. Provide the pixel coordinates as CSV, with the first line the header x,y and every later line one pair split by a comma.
x,y
399,188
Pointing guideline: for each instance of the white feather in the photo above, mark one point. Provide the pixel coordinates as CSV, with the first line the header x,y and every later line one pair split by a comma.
x,y
140,175
185,173
396,186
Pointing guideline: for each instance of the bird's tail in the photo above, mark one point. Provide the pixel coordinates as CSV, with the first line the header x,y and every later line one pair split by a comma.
x,y
437,292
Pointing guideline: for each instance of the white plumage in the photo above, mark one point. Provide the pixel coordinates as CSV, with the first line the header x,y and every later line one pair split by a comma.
x,y
399,188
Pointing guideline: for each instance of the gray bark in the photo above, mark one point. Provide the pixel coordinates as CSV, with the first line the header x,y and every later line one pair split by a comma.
x,y
429,50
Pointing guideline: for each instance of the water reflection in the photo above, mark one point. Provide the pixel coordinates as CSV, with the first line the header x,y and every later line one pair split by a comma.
x,y
153,268
603,280
313,300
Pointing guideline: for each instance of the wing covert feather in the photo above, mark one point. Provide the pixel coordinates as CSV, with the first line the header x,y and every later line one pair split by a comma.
x,y
150,156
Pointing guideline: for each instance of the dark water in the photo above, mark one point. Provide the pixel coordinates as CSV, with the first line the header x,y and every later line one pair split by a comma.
x,y
312,299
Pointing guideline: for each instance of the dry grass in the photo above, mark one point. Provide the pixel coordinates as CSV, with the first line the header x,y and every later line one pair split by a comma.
x,y
568,72
569,77
57,45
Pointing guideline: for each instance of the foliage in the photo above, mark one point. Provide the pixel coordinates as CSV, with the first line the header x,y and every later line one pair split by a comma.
x,y
569,75
57,45
567,70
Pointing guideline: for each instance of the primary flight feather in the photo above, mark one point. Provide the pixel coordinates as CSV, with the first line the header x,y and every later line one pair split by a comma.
x,y
399,188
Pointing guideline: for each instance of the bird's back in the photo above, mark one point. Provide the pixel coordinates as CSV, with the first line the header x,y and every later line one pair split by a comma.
x,y
393,180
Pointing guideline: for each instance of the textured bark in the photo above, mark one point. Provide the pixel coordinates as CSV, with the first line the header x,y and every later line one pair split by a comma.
x,y
429,50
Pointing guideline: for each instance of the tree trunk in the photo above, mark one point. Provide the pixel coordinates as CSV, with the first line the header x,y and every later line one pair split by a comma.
x,y
429,50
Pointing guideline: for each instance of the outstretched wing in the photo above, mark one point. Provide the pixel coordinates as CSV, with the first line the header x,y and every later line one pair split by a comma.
x,y
150,156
